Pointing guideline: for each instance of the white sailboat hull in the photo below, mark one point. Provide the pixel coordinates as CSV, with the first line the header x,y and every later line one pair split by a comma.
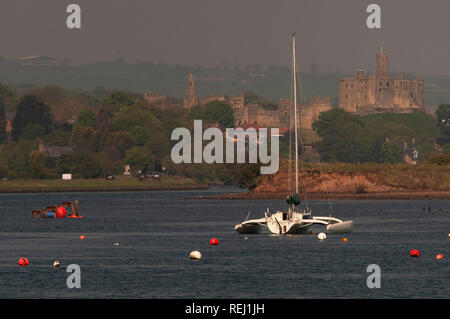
x,y
293,223
342,227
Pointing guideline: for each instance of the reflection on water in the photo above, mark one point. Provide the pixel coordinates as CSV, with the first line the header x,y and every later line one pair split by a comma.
x,y
158,230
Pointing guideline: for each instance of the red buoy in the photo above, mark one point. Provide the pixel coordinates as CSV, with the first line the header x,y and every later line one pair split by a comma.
x,y
439,256
60,212
214,241
414,253
23,262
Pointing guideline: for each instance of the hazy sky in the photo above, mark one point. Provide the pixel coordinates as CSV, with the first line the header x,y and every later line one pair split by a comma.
x,y
331,33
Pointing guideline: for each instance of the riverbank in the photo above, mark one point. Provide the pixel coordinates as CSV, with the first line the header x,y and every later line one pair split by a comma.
x,y
347,181
120,183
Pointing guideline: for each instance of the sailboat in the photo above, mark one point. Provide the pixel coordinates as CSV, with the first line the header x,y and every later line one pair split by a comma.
x,y
294,220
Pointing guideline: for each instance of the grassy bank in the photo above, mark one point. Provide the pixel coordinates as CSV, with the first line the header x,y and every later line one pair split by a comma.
x,y
121,183
401,176
352,181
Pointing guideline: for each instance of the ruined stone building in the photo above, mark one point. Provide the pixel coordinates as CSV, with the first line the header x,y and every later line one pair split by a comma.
x,y
191,98
257,115
151,97
376,93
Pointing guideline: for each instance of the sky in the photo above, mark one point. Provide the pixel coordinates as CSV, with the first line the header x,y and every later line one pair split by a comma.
x,y
330,33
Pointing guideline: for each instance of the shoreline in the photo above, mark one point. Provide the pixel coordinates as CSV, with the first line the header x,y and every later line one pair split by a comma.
x,y
31,190
120,184
410,195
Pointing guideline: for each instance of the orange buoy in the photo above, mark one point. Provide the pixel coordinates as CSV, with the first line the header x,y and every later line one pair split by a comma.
x,y
82,237
23,262
345,239
414,253
439,256
214,241
60,212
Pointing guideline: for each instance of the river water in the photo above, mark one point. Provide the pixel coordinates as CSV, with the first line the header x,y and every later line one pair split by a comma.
x,y
156,231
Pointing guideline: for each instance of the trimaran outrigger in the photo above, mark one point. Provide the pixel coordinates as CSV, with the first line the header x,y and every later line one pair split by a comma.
x,y
294,221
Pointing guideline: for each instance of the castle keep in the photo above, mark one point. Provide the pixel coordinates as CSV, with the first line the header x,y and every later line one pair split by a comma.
x,y
376,93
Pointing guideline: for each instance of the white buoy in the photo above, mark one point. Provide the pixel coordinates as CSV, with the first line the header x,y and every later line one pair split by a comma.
x,y
195,255
245,237
322,236
116,244
56,263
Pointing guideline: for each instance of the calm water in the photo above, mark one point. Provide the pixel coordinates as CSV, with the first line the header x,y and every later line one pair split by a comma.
x,y
157,230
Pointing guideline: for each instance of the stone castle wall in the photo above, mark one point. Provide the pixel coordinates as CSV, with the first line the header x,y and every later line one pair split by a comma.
x,y
257,115
376,93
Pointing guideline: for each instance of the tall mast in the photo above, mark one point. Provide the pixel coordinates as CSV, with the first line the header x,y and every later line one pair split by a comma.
x,y
294,73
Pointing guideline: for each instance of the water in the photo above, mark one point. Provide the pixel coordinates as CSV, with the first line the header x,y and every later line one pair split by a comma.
x,y
158,230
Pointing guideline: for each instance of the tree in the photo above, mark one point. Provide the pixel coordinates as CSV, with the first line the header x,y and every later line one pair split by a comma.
x,y
248,175
219,111
119,97
123,141
87,165
31,110
86,139
391,153
443,119
86,118
138,157
343,137
141,135
18,155
37,165
31,130
3,122
103,119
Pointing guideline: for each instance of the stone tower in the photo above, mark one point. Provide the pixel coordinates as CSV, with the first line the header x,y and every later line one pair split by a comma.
x,y
382,65
190,83
190,97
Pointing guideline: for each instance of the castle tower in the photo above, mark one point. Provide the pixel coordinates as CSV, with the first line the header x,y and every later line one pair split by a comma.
x,y
190,97
190,83
382,64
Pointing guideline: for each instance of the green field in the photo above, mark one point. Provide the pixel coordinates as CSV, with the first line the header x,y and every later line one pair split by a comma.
x,y
121,183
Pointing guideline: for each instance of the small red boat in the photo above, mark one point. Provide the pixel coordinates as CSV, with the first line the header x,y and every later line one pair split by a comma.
x,y
58,211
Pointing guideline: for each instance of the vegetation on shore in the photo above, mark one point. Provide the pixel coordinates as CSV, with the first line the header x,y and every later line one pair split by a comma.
x,y
337,179
120,183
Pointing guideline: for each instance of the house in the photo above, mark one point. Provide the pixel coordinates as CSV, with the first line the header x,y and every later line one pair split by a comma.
x,y
56,151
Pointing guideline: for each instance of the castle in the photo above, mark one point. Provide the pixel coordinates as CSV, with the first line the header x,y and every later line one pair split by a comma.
x,y
376,93
258,115
363,94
